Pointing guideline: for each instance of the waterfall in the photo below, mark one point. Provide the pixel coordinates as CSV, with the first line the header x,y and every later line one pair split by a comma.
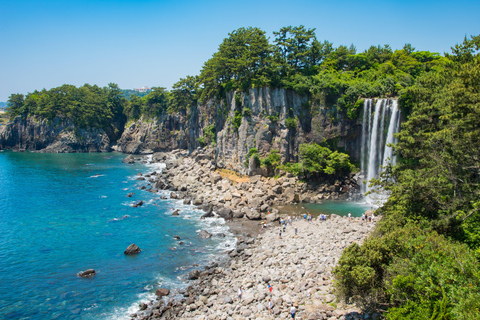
x,y
375,151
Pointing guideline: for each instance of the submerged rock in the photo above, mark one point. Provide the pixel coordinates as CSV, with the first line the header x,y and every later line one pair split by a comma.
x,y
87,273
132,249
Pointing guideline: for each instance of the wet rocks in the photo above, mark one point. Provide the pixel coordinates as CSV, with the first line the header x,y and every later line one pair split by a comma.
x,y
137,204
162,292
204,234
193,275
129,159
132,249
87,273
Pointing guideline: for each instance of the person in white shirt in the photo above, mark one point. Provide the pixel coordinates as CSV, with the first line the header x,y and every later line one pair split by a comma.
x,y
292,312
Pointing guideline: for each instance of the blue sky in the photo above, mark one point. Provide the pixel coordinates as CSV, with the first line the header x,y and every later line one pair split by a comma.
x,y
45,44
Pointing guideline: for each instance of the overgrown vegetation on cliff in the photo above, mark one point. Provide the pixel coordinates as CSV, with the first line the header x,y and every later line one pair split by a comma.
x,y
295,59
423,260
87,106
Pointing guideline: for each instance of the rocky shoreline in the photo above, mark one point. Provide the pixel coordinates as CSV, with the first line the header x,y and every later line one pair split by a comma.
x,y
297,266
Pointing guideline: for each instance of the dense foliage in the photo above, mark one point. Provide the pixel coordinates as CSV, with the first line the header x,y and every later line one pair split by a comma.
x,y
86,106
429,271
296,60
335,76
316,160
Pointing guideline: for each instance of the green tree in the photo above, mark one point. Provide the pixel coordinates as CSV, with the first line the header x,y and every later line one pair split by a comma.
x,y
183,94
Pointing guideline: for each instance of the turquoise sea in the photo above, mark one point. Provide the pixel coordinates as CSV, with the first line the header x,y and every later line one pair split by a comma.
x,y
64,213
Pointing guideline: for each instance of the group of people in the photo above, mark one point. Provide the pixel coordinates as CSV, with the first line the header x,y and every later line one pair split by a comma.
x,y
370,218
307,217
293,310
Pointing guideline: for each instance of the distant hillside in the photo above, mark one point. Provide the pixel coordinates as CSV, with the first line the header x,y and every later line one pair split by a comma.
x,y
3,105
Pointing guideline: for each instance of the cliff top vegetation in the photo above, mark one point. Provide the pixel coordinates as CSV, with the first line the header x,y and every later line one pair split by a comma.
x,y
293,59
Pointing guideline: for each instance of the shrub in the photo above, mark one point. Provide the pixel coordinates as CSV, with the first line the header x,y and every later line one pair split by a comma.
x,y
273,118
291,123
211,133
421,273
250,153
202,141
247,112
272,160
237,120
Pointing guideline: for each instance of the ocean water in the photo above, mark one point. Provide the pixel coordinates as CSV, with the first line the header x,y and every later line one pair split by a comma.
x,y
64,213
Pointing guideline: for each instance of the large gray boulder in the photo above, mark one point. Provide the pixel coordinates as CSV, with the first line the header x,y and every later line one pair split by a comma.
x,y
204,234
255,215
129,159
225,213
162,292
132,249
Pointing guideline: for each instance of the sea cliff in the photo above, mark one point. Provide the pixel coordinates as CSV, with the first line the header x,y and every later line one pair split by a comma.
x,y
263,118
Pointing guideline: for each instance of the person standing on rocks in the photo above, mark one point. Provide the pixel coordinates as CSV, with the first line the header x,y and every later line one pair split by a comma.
x,y
270,288
293,310
240,292
295,230
349,217
270,305
280,234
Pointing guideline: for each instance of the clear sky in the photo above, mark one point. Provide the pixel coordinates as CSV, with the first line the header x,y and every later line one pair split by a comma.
x,y
46,43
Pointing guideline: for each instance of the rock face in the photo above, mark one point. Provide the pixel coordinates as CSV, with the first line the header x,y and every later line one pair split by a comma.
x,y
59,135
265,129
146,136
132,249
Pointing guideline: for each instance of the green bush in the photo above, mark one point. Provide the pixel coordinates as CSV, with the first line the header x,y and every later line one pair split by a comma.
x,y
250,153
211,133
354,110
291,123
237,120
273,118
247,112
421,273
272,160
318,160
202,141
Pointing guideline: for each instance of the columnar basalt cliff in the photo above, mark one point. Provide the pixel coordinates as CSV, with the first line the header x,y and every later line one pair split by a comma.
x,y
278,119
263,118
59,135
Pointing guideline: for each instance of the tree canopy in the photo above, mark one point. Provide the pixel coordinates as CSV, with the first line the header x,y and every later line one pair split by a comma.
x,y
426,248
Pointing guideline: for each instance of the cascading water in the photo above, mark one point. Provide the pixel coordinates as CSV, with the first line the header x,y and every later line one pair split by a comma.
x,y
375,151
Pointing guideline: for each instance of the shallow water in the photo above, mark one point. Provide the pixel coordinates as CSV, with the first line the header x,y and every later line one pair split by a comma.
x,y
341,208
64,213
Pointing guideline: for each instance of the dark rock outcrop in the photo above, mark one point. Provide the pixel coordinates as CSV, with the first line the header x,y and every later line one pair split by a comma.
x,y
132,249
87,273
